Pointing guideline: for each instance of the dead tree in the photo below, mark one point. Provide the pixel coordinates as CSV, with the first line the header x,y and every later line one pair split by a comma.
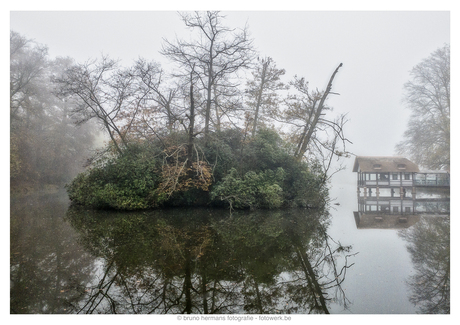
x,y
313,117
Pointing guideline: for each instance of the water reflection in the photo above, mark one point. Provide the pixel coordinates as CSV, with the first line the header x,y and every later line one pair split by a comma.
x,y
48,270
423,220
202,261
396,210
198,261
429,245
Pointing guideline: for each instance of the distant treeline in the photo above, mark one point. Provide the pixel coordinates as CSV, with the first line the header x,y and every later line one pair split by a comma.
x,y
46,148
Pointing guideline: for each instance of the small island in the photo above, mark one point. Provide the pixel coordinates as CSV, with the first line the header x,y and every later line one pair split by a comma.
x,y
229,171
201,135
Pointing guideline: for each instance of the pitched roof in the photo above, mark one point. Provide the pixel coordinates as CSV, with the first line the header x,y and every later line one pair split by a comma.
x,y
384,164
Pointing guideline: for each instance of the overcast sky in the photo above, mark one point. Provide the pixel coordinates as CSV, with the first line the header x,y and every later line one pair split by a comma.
x,y
377,49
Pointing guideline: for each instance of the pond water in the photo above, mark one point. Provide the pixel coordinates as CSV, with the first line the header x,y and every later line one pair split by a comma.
x,y
70,260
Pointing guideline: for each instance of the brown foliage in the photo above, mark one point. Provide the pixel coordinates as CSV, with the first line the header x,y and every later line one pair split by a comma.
x,y
179,174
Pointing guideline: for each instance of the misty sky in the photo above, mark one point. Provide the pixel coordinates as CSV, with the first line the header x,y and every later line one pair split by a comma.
x,y
377,50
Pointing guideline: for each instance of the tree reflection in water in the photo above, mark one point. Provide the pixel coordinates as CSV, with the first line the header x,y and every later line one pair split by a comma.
x,y
48,271
429,246
198,261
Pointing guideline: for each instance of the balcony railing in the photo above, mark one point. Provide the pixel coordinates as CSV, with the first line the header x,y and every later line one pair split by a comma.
x,y
431,182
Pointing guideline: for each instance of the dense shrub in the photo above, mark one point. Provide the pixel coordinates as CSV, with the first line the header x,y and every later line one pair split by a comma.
x,y
127,182
253,190
302,184
228,170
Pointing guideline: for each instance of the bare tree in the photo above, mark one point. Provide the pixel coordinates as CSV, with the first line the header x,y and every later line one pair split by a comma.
x,y
328,149
262,89
164,96
104,91
427,138
227,102
305,114
219,52
28,63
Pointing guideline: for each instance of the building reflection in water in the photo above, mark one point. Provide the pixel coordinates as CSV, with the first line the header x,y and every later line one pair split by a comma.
x,y
394,194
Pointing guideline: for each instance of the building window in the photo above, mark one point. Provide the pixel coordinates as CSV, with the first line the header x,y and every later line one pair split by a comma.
x,y
395,209
377,166
401,166
407,176
395,177
385,208
407,209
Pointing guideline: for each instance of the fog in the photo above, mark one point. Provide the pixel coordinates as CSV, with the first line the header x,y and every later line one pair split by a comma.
x,y
377,50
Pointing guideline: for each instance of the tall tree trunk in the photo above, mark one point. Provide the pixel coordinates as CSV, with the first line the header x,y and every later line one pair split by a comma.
x,y
216,107
208,111
191,126
258,298
259,97
209,92
188,283
204,291
310,274
305,141
112,138
305,130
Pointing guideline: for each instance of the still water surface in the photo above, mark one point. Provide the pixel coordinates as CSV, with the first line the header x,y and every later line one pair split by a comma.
x,y
69,260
